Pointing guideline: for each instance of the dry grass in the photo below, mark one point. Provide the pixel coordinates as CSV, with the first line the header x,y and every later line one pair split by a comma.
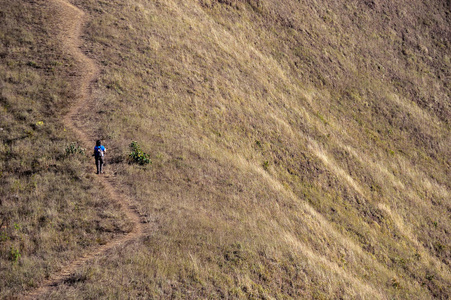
x,y
50,212
300,150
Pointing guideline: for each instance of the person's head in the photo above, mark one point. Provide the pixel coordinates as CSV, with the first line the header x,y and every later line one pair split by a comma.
x,y
98,143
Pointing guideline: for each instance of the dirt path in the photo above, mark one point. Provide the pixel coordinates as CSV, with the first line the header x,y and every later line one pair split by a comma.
x,y
68,23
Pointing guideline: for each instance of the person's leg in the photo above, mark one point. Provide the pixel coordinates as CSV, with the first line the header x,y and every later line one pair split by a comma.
x,y
101,165
98,165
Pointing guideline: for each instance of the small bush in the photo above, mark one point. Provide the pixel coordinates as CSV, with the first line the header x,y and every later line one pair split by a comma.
x,y
73,148
14,254
137,155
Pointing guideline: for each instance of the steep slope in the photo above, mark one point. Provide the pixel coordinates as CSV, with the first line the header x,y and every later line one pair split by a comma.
x,y
67,25
300,150
54,215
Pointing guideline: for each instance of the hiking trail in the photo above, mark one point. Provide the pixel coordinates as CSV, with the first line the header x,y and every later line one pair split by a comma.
x,y
68,25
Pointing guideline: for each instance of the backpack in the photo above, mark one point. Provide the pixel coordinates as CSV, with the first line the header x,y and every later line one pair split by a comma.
x,y
98,151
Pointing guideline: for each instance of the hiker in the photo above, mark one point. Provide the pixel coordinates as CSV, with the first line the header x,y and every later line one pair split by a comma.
x,y
99,154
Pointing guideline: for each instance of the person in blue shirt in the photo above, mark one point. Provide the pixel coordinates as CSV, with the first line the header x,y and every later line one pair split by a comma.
x,y
99,154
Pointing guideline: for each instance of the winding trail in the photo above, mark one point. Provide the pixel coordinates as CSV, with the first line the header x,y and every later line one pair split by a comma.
x,y
68,24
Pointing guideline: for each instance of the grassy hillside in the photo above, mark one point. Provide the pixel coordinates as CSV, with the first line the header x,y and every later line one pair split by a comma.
x,y
300,150
50,211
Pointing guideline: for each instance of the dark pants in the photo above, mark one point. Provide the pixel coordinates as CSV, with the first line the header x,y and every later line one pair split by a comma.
x,y
99,164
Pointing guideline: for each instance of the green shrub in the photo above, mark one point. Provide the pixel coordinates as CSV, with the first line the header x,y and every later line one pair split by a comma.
x,y
137,155
265,165
14,254
73,148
